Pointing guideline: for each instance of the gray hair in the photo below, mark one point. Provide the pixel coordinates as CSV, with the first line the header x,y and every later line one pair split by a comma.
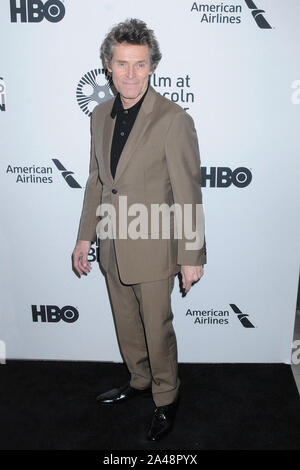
x,y
135,32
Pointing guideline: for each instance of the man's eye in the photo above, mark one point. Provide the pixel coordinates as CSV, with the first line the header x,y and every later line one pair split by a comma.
x,y
141,65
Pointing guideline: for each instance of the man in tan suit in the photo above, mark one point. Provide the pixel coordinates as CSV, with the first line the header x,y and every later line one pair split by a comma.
x,y
144,160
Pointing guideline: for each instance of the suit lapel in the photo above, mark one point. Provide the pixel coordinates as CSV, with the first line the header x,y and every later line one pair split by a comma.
x,y
108,131
140,126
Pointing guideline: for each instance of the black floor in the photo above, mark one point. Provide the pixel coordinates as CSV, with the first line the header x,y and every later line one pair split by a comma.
x,y
51,405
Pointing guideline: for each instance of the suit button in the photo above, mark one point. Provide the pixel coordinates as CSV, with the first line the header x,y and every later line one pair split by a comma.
x,y
114,191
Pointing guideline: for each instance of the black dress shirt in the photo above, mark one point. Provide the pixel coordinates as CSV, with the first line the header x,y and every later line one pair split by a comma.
x,y
124,123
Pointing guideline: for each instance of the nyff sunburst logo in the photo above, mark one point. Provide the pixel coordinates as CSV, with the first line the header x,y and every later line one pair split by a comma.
x,y
93,88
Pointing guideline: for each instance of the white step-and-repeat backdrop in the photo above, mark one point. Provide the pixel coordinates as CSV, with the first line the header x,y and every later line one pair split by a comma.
x,y
234,66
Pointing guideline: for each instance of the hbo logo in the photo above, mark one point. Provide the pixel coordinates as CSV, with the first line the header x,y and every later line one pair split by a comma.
x,y
53,314
34,11
222,177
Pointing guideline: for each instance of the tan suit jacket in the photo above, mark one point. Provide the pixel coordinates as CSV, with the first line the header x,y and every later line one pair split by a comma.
x,y
160,163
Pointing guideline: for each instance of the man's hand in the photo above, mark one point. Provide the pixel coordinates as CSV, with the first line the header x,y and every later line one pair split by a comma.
x,y
190,274
80,254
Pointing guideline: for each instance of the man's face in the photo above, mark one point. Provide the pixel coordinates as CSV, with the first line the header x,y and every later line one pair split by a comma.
x,y
130,68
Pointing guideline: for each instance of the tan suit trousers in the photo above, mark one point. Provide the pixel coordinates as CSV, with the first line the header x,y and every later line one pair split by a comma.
x,y
147,341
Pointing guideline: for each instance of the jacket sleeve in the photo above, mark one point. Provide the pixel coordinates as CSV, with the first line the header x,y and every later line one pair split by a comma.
x,y
183,160
92,196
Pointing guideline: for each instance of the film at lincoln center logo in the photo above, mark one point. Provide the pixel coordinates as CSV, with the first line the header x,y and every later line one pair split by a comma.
x,y
92,89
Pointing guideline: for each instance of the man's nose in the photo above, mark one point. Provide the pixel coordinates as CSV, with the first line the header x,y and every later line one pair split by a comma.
x,y
130,71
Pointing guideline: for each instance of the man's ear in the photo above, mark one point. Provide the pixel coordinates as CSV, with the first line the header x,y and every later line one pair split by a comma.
x,y
108,65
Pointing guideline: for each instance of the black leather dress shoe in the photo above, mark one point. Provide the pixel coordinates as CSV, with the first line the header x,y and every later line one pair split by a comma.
x,y
162,421
121,394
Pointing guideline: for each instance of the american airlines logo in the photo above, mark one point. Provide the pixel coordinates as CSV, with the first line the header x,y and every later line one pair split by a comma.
x,y
258,16
66,174
217,317
228,13
243,317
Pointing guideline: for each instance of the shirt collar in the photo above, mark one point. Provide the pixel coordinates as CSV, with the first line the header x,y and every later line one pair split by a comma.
x,y
118,106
